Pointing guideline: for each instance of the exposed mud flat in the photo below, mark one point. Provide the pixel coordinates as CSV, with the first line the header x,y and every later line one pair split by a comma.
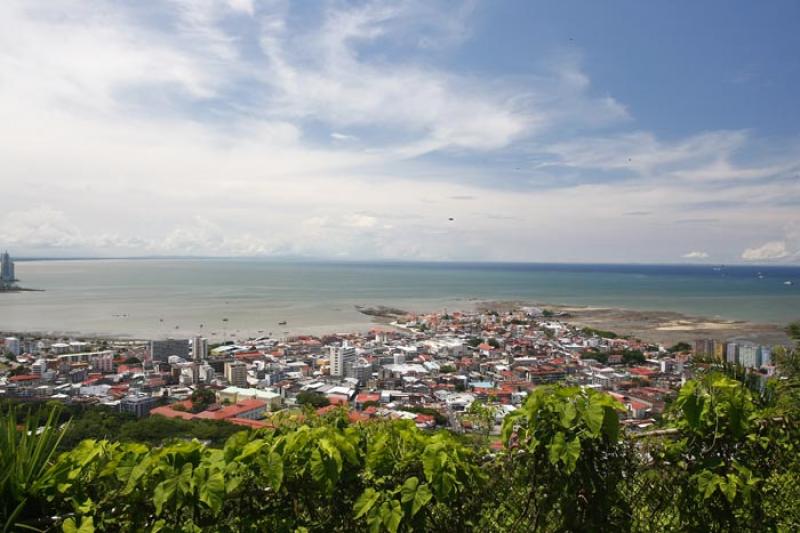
x,y
668,327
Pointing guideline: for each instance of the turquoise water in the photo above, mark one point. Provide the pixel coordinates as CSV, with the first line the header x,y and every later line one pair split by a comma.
x,y
158,298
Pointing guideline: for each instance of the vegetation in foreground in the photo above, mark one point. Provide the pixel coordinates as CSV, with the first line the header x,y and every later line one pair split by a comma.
x,y
725,460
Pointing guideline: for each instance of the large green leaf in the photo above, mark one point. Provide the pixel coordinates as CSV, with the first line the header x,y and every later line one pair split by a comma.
x,y
611,424
87,525
163,493
365,502
391,515
593,417
421,498
567,414
211,488
272,466
556,448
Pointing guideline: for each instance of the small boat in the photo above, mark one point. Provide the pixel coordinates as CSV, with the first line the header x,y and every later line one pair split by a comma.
x,y
282,323
788,283
760,275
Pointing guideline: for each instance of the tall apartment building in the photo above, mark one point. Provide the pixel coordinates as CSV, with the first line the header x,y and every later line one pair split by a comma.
x,y
732,353
765,355
748,356
161,350
340,356
236,373
102,361
709,348
360,371
199,349
7,278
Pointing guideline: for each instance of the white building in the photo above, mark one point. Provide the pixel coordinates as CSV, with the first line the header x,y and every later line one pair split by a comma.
x,y
102,361
39,367
748,356
340,355
237,394
199,349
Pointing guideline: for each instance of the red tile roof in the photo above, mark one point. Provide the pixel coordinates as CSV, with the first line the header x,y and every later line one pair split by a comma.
x,y
220,413
338,399
254,424
233,411
24,377
365,397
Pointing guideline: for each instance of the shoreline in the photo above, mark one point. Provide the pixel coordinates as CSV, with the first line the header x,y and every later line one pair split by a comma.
x,y
670,327
665,327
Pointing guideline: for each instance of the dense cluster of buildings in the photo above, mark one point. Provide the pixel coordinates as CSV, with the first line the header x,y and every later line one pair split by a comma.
x,y
428,368
743,353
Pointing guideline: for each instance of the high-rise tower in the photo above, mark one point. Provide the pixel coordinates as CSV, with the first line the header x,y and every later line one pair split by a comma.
x,y
7,277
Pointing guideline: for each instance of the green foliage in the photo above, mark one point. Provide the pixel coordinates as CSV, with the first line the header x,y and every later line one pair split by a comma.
x,y
381,477
570,468
314,399
680,347
156,430
793,330
201,398
630,357
600,333
430,411
593,353
721,463
727,460
100,422
26,465
447,369
482,417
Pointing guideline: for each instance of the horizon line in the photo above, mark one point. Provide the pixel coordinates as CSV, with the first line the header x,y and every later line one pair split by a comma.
x,y
403,261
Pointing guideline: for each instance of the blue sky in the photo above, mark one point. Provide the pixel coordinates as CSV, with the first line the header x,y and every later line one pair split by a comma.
x,y
549,131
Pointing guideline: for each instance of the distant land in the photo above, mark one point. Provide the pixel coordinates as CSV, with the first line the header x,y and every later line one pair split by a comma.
x,y
377,261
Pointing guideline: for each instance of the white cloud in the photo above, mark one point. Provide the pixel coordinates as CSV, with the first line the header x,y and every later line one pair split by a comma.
x,y
343,136
223,128
695,255
642,153
769,251
360,221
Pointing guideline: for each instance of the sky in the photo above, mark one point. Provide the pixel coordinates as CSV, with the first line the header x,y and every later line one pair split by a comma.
x,y
569,131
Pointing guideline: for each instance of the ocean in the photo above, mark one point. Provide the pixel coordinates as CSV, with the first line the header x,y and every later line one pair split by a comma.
x,y
220,298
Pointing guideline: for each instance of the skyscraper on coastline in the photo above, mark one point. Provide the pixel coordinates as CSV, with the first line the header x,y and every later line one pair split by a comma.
x,y
7,277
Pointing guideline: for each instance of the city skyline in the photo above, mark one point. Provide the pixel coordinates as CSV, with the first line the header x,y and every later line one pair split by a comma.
x,y
416,131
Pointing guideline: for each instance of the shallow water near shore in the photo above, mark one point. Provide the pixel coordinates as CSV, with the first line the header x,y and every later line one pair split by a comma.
x,y
220,298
